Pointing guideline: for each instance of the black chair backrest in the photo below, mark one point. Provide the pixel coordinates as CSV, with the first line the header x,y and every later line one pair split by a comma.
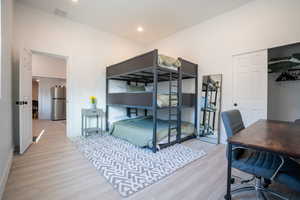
x,y
233,122
297,121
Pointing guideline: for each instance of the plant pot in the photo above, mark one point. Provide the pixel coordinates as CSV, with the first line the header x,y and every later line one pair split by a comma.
x,y
94,106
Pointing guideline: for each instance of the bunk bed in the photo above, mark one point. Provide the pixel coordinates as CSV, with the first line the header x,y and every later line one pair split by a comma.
x,y
149,69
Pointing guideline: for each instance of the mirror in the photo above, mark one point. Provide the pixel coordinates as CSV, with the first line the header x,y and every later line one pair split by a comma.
x,y
210,108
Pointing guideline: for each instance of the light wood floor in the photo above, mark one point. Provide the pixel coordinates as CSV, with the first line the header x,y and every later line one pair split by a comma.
x,y
53,169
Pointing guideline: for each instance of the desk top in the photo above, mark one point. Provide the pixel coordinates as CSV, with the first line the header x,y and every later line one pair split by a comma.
x,y
273,136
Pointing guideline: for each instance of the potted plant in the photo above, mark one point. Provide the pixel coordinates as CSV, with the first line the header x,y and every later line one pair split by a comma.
x,y
93,101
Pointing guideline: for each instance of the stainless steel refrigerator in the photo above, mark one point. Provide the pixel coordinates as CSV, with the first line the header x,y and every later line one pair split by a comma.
x,y
58,103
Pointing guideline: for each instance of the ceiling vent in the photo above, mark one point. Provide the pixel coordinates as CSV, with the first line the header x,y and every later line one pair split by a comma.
x,y
60,12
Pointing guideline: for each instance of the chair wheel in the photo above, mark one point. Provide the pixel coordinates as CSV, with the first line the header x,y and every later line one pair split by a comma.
x,y
266,183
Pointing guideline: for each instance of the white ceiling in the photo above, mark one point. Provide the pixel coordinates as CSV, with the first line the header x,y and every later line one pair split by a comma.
x,y
159,18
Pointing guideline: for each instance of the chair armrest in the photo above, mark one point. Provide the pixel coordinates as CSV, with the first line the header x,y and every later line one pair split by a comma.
x,y
277,170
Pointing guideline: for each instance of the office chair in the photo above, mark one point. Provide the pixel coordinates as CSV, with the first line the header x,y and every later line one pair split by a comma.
x,y
261,165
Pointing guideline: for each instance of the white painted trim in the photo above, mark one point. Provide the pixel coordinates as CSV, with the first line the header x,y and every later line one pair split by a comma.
x,y
4,177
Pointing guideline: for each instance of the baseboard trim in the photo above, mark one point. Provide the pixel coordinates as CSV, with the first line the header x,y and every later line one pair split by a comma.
x,y
5,174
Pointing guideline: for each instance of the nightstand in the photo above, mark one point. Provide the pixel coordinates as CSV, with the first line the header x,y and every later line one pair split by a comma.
x,y
87,115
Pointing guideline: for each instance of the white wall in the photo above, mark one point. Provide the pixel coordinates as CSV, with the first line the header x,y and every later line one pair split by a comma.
x,y
6,141
45,85
89,51
258,25
48,66
283,99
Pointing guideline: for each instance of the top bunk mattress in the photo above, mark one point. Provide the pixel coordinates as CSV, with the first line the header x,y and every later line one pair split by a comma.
x,y
168,62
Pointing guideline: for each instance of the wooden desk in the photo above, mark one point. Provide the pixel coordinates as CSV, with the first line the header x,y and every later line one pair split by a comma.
x,y
282,138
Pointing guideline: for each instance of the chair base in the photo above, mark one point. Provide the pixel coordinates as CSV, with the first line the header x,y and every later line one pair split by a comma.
x,y
259,190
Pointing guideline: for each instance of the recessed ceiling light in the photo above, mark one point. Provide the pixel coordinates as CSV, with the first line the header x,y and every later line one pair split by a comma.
x,y
140,29
75,1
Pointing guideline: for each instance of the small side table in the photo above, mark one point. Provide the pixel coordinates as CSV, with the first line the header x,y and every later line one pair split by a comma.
x,y
86,114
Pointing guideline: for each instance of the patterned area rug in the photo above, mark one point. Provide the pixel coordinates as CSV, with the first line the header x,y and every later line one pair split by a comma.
x,y
130,169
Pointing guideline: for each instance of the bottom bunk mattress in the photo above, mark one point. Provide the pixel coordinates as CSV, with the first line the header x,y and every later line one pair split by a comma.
x,y
139,131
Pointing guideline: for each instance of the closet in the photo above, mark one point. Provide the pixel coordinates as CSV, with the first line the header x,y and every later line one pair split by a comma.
x,y
284,83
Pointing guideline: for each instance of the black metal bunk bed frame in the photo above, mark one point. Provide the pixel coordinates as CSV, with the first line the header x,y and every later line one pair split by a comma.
x,y
145,69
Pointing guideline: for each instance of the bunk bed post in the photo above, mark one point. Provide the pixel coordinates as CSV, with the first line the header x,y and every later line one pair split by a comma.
x,y
128,110
196,102
145,111
179,106
154,99
107,108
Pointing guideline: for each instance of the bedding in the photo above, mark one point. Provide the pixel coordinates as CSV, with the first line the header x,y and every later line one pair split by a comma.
x,y
163,100
209,106
149,88
168,62
169,67
135,88
139,131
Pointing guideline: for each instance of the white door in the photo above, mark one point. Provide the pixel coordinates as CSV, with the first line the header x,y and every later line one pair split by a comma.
x,y
25,100
250,85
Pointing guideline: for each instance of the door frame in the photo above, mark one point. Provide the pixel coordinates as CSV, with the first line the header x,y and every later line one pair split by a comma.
x,y
67,59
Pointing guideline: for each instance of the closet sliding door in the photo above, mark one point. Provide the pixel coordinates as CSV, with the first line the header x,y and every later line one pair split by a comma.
x,y
250,85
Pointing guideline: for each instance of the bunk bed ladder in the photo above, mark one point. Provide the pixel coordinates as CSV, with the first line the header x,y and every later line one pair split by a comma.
x,y
174,96
171,100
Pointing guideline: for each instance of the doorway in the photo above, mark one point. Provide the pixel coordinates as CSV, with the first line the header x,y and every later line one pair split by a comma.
x,y
48,93
36,73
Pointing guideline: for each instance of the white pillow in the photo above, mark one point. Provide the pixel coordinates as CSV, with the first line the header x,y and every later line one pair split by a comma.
x,y
149,88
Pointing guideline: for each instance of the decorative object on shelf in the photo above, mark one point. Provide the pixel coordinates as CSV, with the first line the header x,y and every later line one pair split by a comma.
x,y
93,100
209,129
